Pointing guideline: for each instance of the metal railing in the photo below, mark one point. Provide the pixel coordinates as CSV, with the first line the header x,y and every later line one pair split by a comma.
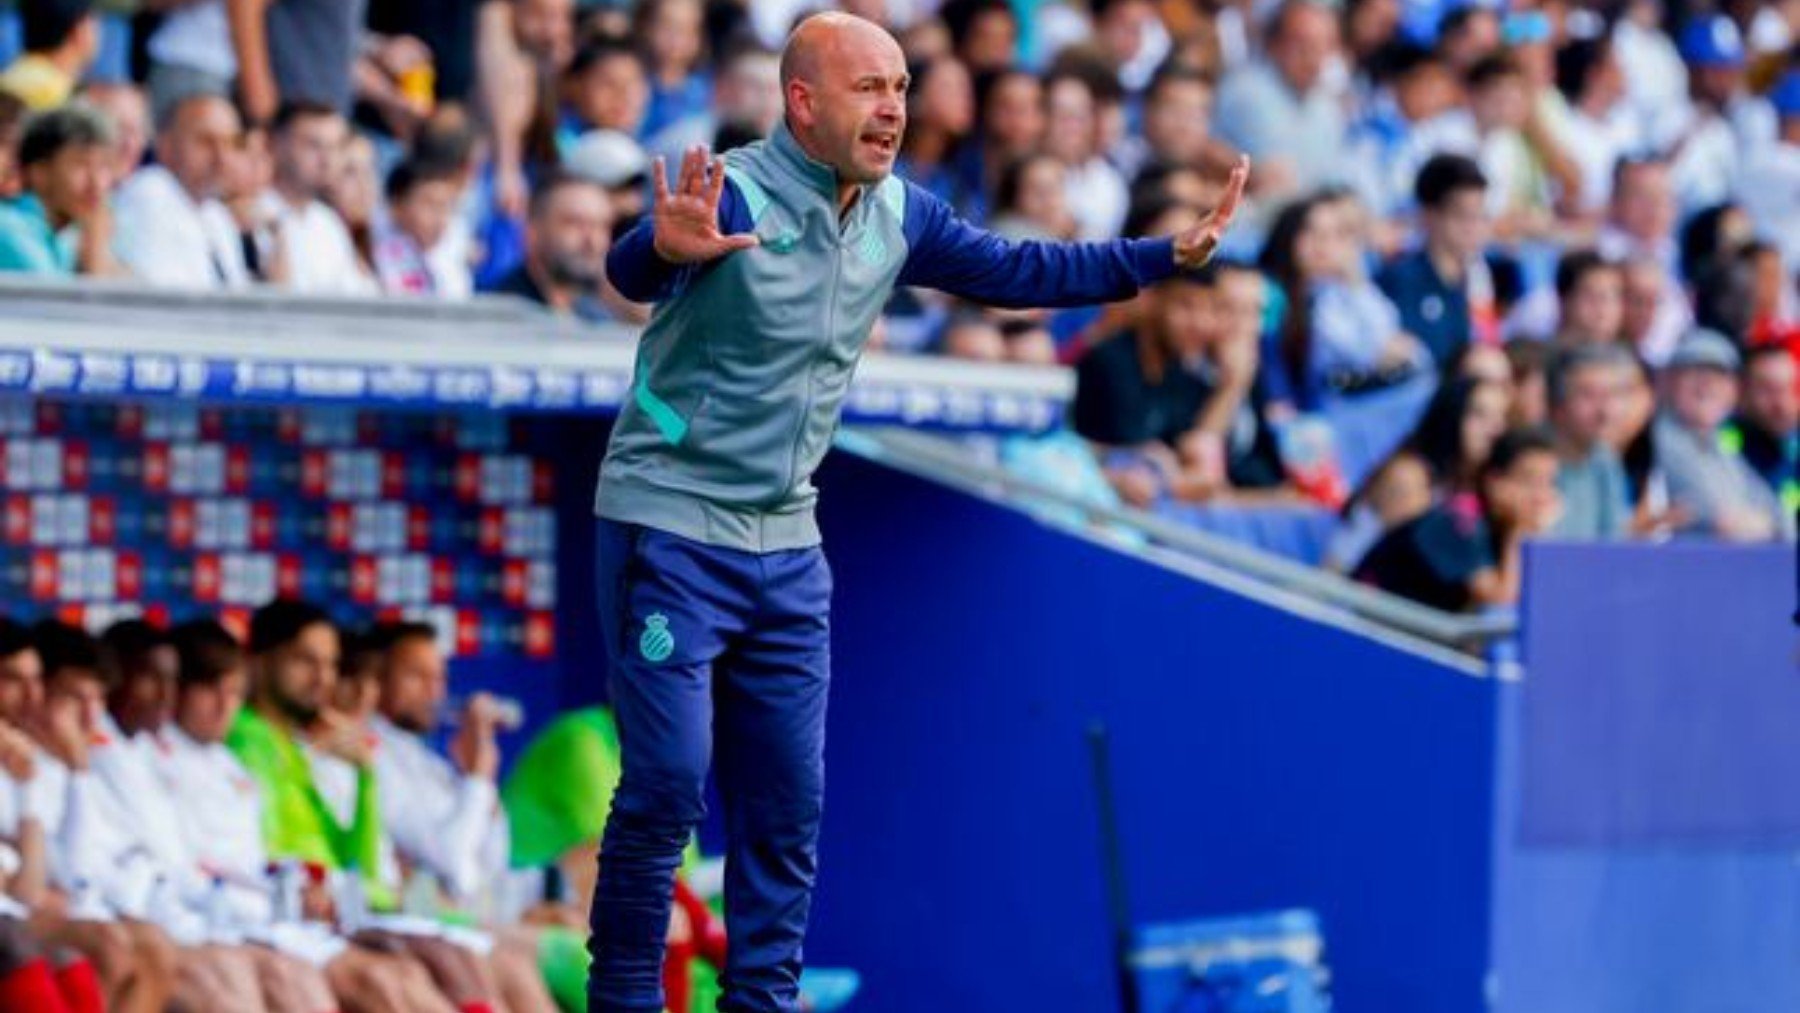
x,y
943,460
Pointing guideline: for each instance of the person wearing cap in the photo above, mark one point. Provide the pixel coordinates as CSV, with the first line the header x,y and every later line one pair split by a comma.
x,y
1769,187
1716,491
614,160
1721,119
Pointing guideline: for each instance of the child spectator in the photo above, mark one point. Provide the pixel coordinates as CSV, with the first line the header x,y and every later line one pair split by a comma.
x,y
421,199
1465,553
668,34
60,223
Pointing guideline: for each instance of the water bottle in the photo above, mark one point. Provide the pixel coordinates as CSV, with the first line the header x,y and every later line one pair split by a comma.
x,y
509,713
352,900
217,910
288,881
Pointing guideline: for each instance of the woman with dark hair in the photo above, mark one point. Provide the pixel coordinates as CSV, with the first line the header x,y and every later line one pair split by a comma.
x,y
1339,348
671,36
940,113
1457,433
1465,553
1009,126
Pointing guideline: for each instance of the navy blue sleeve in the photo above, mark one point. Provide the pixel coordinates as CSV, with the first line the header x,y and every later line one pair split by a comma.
x,y
642,275
944,252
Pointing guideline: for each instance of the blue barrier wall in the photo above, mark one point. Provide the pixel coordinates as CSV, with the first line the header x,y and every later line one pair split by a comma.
x,y
1645,858
1262,761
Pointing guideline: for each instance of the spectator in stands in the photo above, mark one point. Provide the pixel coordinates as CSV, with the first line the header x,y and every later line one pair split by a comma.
x,y
444,814
1528,375
308,236
146,667
1707,145
1595,127
1140,404
1769,189
1641,227
190,52
615,162
61,39
668,34
124,105
568,235
294,51
1585,386
1032,201
1389,143
1457,433
746,104
421,199
607,88
1178,113
1448,291
172,228
939,117
60,224
1497,131
1096,192
1590,291
1468,35
1287,112
1011,126
353,192
1654,309
986,33
1718,491
1339,335
1228,361
1396,491
1766,430
1465,553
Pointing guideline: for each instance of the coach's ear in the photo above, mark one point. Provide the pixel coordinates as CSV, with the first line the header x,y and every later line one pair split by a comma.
x,y
801,103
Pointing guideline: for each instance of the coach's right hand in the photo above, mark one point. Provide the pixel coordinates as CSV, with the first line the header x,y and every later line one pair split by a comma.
x,y
686,221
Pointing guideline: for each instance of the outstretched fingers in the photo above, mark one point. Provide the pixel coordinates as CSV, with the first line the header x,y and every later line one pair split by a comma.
x,y
1234,192
693,172
659,177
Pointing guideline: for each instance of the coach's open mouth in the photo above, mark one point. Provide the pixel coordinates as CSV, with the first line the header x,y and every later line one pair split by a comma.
x,y
883,141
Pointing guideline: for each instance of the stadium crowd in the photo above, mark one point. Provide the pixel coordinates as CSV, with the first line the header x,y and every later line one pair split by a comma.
x,y
1507,269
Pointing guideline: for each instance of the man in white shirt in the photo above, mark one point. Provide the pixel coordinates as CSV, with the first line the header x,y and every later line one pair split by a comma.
x,y
126,843
313,247
1288,113
172,229
1770,187
444,814
1720,122
1640,227
136,970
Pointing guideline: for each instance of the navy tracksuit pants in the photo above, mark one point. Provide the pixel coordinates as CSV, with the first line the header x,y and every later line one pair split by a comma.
x,y
711,652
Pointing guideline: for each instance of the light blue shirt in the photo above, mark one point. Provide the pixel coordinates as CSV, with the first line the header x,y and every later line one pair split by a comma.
x,y
28,243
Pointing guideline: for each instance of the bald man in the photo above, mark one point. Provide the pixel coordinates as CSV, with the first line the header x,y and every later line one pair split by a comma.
x,y
768,267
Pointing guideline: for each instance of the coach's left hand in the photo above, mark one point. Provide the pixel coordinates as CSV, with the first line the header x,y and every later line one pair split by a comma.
x,y
1195,246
